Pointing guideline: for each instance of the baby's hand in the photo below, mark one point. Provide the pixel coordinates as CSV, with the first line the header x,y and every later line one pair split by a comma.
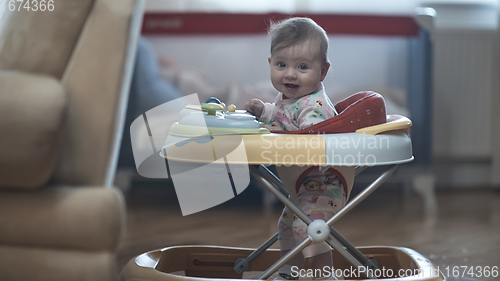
x,y
255,107
275,126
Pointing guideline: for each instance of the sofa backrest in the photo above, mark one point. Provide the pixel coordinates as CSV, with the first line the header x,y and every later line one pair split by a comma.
x,y
42,42
97,81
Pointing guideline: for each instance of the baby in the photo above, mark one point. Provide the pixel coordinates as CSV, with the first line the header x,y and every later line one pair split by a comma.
x,y
299,64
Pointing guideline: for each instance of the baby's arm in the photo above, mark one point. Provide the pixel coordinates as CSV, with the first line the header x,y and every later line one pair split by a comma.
x,y
263,110
255,107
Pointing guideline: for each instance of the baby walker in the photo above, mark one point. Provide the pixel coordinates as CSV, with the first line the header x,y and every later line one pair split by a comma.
x,y
362,121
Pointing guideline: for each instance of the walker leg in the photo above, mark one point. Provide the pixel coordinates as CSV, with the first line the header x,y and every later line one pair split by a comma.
x,y
370,264
337,245
424,185
362,196
306,241
242,265
285,258
272,178
353,203
269,199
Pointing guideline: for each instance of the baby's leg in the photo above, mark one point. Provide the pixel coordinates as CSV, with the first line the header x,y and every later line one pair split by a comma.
x,y
287,242
288,176
321,195
324,262
318,255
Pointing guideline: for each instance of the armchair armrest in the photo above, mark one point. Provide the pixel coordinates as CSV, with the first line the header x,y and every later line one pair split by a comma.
x,y
31,114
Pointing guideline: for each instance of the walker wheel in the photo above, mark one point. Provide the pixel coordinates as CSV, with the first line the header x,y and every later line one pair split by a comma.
x,y
241,265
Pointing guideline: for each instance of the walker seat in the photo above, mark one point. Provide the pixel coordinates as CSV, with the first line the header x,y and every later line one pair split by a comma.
x,y
360,110
362,135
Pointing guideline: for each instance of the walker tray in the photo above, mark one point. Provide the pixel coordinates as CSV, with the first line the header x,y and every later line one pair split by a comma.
x,y
205,136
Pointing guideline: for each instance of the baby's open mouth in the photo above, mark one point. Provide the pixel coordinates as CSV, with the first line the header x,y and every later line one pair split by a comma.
x,y
291,86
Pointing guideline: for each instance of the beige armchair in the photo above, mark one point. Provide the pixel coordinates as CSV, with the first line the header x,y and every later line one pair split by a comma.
x,y
64,78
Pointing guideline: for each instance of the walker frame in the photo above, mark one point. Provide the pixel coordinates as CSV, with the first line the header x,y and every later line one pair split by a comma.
x,y
229,265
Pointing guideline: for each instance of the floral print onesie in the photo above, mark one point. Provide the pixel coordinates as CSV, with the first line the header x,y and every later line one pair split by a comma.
x,y
300,113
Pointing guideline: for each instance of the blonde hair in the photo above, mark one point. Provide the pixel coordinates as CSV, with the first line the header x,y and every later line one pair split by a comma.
x,y
294,31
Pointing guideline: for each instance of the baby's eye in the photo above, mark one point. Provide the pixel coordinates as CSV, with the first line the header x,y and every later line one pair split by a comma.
x,y
303,67
281,64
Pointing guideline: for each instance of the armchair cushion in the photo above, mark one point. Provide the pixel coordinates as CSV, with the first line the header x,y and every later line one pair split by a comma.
x,y
31,113
84,218
42,264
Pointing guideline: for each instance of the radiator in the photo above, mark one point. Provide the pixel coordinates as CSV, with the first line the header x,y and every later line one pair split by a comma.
x,y
464,71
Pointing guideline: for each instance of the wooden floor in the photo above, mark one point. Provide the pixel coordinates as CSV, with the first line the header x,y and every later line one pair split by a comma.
x,y
464,232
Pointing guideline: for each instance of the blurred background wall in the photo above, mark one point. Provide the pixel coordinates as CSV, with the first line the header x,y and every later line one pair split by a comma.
x,y
443,75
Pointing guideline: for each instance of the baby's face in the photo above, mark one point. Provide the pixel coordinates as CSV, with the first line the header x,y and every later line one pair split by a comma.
x,y
298,70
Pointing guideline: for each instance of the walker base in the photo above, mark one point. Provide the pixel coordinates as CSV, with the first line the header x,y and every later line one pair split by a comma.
x,y
191,263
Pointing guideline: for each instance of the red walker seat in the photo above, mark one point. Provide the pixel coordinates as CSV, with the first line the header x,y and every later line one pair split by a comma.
x,y
360,110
